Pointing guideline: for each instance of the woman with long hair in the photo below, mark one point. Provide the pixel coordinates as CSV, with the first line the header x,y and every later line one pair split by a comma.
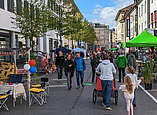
x,y
128,89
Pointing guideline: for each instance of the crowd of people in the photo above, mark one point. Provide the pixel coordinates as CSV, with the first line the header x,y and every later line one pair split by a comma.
x,y
106,65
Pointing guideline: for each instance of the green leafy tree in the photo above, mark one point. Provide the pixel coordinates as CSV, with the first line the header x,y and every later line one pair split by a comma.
x,y
34,20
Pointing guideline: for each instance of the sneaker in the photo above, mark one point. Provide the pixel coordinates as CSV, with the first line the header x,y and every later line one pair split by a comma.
x,y
78,87
109,108
103,105
83,85
134,105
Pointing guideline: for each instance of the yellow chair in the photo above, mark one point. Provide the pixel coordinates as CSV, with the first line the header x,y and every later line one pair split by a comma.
x,y
38,95
36,86
3,99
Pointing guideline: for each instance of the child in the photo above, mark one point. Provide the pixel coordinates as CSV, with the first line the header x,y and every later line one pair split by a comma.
x,y
128,89
131,73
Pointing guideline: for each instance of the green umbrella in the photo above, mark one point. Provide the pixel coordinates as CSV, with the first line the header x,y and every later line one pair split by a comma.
x,y
114,49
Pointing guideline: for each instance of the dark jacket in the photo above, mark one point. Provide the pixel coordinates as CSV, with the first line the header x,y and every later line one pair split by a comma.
x,y
60,60
132,60
94,63
66,66
80,64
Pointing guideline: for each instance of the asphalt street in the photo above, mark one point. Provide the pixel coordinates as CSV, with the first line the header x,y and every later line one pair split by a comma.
x,y
79,102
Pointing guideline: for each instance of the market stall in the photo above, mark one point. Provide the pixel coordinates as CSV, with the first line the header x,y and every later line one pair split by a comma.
x,y
145,39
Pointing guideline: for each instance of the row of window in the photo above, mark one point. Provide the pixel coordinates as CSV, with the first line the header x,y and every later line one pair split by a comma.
x,y
11,5
142,9
154,19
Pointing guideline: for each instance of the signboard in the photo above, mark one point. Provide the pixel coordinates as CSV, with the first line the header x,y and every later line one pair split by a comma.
x,y
7,53
128,27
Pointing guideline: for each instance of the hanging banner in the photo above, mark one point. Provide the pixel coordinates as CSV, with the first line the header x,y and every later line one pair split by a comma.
x,y
128,27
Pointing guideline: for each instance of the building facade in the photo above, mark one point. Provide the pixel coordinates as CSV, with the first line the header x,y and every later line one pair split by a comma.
x,y
143,15
112,38
153,14
120,26
102,34
133,22
125,23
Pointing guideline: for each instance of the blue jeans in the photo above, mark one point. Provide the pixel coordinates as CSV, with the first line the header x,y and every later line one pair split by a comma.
x,y
60,71
78,74
134,100
107,91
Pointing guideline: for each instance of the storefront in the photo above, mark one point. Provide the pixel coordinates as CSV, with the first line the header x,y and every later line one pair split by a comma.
x,y
5,43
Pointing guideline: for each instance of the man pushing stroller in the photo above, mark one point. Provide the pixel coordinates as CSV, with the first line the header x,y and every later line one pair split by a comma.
x,y
107,71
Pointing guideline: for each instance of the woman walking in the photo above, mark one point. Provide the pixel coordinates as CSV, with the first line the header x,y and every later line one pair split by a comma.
x,y
69,70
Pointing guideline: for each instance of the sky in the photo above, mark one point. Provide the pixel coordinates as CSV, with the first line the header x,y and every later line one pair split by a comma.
x,y
101,11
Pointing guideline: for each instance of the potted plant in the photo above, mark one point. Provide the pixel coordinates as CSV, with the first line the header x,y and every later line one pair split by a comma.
x,y
147,73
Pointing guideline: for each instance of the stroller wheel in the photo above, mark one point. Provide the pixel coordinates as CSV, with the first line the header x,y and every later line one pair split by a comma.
x,y
116,97
94,96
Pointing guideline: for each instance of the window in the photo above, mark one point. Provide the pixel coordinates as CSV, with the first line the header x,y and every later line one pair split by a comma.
x,y
19,6
145,6
2,4
122,28
50,44
139,12
152,19
142,10
155,19
10,4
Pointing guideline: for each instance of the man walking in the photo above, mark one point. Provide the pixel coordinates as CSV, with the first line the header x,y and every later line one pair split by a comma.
x,y
121,62
107,72
59,63
80,69
131,59
94,64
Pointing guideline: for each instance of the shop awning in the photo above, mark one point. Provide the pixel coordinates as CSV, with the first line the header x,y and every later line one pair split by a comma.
x,y
145,39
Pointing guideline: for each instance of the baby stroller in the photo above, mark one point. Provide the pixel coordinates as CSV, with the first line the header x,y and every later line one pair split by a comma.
x,y
98,91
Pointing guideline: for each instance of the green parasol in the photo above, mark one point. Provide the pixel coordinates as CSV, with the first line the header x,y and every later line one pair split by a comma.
x,y
114,49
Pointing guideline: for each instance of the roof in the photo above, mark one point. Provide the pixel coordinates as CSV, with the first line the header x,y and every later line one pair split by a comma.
x,y
129,11
125,10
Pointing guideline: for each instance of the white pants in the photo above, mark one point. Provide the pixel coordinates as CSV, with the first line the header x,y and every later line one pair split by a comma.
x,y
129,106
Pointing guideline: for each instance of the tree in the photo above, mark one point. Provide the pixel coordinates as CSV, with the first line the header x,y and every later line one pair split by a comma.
x,y
34,19
88,33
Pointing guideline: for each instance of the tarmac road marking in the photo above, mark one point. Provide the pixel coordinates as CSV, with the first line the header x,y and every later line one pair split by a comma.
x,y
59,79
152,97
54,86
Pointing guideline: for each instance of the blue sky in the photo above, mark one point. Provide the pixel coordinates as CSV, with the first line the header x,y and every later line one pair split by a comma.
x,y
102,11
